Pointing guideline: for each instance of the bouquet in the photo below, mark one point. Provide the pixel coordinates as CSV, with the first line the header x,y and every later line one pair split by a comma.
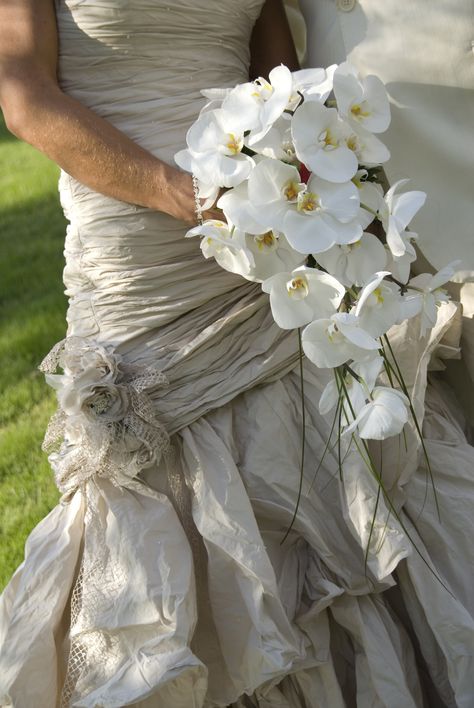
x,y
300,159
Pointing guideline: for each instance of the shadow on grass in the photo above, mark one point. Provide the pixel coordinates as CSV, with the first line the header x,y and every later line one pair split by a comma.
x,y
32,303
32,241
32,319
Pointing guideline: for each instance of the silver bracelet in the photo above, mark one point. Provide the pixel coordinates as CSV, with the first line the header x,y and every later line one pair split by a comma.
x,y
197,201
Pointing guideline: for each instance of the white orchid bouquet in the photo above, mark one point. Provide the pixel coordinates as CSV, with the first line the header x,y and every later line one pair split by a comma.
x,y
300,160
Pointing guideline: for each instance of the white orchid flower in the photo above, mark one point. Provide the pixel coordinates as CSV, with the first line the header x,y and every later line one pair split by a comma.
x,y
298,297
217,130
371,198
273,190
260,102
228,248
243,213
277,142
215,142
379,305
324,214
271,254
274,96
362,101
273,187
319,137
368,149
314,216
333,341
383,416
354,263
425,293
312,85
396,213
358,389
399,266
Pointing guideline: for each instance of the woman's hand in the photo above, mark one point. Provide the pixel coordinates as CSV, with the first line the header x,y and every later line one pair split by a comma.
x,y
179,198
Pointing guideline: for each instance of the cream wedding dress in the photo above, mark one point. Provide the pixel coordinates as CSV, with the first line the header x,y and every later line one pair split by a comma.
x,y
172,589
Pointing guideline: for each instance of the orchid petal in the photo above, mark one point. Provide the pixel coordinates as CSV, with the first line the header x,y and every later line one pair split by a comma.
x,y
369,288
308,234
241,212
322,348
329,398
406,205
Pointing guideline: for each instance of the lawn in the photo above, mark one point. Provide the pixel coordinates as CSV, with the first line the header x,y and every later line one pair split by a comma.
x,y
32,319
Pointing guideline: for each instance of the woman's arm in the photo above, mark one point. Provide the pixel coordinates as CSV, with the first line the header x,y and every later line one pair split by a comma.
x,y
86,146
271,42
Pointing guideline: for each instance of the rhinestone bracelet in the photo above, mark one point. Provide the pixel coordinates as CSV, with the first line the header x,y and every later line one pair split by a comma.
x,y
197,201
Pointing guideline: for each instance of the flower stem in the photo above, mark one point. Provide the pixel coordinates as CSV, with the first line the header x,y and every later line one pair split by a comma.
x,y
303,437
399,376
377,476
371,211
326,447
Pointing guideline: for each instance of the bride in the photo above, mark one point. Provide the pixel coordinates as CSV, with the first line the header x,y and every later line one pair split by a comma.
x,y
160,579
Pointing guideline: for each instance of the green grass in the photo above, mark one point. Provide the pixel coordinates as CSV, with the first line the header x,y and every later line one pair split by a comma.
x,y
32,319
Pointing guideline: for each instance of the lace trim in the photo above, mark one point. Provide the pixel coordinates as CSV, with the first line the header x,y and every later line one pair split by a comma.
x,y
106,426
94,655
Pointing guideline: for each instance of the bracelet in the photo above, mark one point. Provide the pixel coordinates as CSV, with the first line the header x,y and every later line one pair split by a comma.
x,y
197,201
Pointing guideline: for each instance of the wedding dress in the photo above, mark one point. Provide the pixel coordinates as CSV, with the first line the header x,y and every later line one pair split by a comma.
x,y
173,588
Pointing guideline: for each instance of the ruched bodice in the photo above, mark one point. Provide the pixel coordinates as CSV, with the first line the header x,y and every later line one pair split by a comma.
x,y
130,274
142,64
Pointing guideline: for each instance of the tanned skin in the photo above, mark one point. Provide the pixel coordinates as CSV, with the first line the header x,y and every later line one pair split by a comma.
x,y
271,43
82,143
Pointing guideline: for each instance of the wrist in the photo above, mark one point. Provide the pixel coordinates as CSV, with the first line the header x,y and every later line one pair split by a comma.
x,y
174,193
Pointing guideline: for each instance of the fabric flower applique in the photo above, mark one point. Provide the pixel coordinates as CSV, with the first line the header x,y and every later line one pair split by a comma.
x,y
106,424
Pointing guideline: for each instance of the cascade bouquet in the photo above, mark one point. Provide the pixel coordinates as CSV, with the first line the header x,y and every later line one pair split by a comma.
x,y
300,160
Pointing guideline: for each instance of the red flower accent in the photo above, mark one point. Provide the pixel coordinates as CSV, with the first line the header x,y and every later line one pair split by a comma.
x,y
305,174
